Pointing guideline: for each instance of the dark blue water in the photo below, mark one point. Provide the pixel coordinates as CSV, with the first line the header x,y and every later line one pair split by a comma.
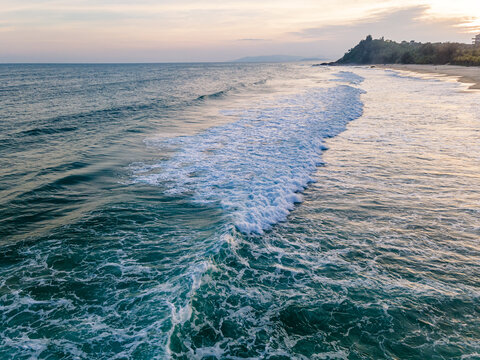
x,y
192,211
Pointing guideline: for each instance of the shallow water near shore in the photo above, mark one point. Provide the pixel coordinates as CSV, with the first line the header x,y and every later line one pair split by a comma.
x,y
273,211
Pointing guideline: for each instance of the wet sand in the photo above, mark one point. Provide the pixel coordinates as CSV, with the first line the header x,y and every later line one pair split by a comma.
x,y
465,74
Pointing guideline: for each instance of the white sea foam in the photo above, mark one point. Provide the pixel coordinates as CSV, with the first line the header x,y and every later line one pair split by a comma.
x,y
256,166
349,77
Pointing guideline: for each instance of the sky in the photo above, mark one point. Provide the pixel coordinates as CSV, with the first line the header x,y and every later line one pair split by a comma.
x,y
219,30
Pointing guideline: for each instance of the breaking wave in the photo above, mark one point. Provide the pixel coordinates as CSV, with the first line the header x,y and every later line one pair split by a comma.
x,y
256,167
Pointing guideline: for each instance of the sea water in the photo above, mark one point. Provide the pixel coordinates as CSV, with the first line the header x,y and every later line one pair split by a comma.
x,y
237,211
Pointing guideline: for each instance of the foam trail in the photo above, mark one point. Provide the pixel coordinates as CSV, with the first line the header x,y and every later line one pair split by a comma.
x,y
256,167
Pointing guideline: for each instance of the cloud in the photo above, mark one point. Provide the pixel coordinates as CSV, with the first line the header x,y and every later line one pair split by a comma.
x,y
412,23
399,24
254,40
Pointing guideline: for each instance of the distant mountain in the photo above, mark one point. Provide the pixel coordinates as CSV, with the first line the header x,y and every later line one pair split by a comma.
x,y
274,58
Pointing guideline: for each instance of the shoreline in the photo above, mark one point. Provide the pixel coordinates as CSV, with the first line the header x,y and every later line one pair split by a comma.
x,y
464,74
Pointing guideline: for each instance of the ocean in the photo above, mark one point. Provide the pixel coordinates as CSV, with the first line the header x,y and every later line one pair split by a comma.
x,y
237,211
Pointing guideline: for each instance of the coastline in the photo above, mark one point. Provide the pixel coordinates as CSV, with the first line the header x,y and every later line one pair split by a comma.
x,y
464,74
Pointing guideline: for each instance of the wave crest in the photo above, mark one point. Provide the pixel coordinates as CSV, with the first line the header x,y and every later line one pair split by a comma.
x,y
257,167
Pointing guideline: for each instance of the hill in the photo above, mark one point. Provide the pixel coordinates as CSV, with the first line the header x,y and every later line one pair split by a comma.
x,y
381,51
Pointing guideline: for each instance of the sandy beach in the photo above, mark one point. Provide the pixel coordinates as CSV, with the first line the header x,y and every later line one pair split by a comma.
x,y
469,75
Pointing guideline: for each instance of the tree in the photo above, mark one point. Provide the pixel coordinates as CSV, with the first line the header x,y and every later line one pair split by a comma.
x,y
407,58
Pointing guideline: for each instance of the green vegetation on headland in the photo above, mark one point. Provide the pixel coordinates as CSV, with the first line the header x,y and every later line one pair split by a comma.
x,y
381,51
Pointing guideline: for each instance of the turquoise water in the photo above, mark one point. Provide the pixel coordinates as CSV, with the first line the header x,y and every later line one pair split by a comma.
x,y
273,211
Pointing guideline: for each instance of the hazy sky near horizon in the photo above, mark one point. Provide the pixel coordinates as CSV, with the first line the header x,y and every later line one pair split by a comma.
x,y
218,30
